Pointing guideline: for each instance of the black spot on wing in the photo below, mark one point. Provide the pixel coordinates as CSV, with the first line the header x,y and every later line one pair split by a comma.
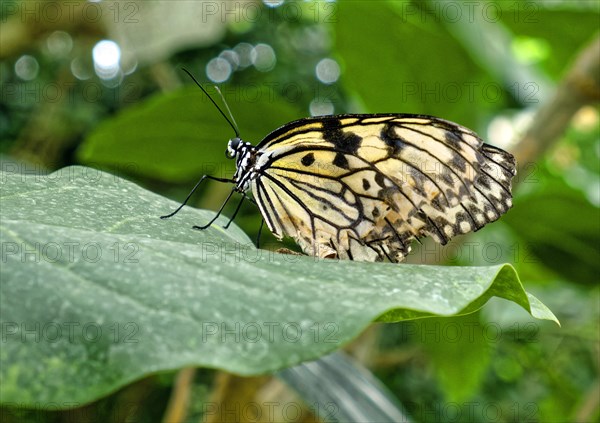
x,y
390,139
484,181
380,180
387,196
435,203
343,142
462,192
459,162
366,184
348,143
447,177
308,159
341,161
453,139
418,176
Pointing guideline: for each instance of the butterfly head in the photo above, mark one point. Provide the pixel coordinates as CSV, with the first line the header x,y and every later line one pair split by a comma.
x,y
244,154
234,147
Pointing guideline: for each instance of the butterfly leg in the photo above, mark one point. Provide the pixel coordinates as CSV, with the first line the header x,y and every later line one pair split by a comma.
x,y
262,223
218,213
192,192
237,209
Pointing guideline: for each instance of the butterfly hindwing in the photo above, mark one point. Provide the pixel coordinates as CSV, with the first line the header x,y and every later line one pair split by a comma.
x,y
364,186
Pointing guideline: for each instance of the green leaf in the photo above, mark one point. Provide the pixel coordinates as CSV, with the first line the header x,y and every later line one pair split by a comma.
x,y
180,135
97,291
405,71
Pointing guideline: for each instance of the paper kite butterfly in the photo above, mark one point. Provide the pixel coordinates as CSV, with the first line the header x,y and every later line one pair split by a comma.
x,y
362,187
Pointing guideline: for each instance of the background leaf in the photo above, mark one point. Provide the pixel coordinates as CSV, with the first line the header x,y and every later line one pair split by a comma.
x,y
419,85
566,245
461,362
180,135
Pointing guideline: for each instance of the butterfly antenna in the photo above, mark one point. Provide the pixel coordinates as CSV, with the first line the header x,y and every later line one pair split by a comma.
x,y
237,134
228,109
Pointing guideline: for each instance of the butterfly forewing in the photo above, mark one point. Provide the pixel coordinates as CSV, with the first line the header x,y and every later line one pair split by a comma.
x,y
363,187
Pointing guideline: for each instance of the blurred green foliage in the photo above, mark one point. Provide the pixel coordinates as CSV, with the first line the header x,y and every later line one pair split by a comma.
x,y
394,56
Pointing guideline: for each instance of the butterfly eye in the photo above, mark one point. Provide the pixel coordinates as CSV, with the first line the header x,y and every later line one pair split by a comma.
x,y
232,147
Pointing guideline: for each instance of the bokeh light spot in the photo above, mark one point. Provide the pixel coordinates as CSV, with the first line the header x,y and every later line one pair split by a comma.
x,y
263,57
218,70
107,55
321,107
27,67
327,71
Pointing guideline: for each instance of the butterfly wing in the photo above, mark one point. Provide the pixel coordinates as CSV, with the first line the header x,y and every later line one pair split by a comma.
x,y
363,187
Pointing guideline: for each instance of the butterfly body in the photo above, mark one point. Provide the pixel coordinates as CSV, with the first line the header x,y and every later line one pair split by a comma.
x,y
362,187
